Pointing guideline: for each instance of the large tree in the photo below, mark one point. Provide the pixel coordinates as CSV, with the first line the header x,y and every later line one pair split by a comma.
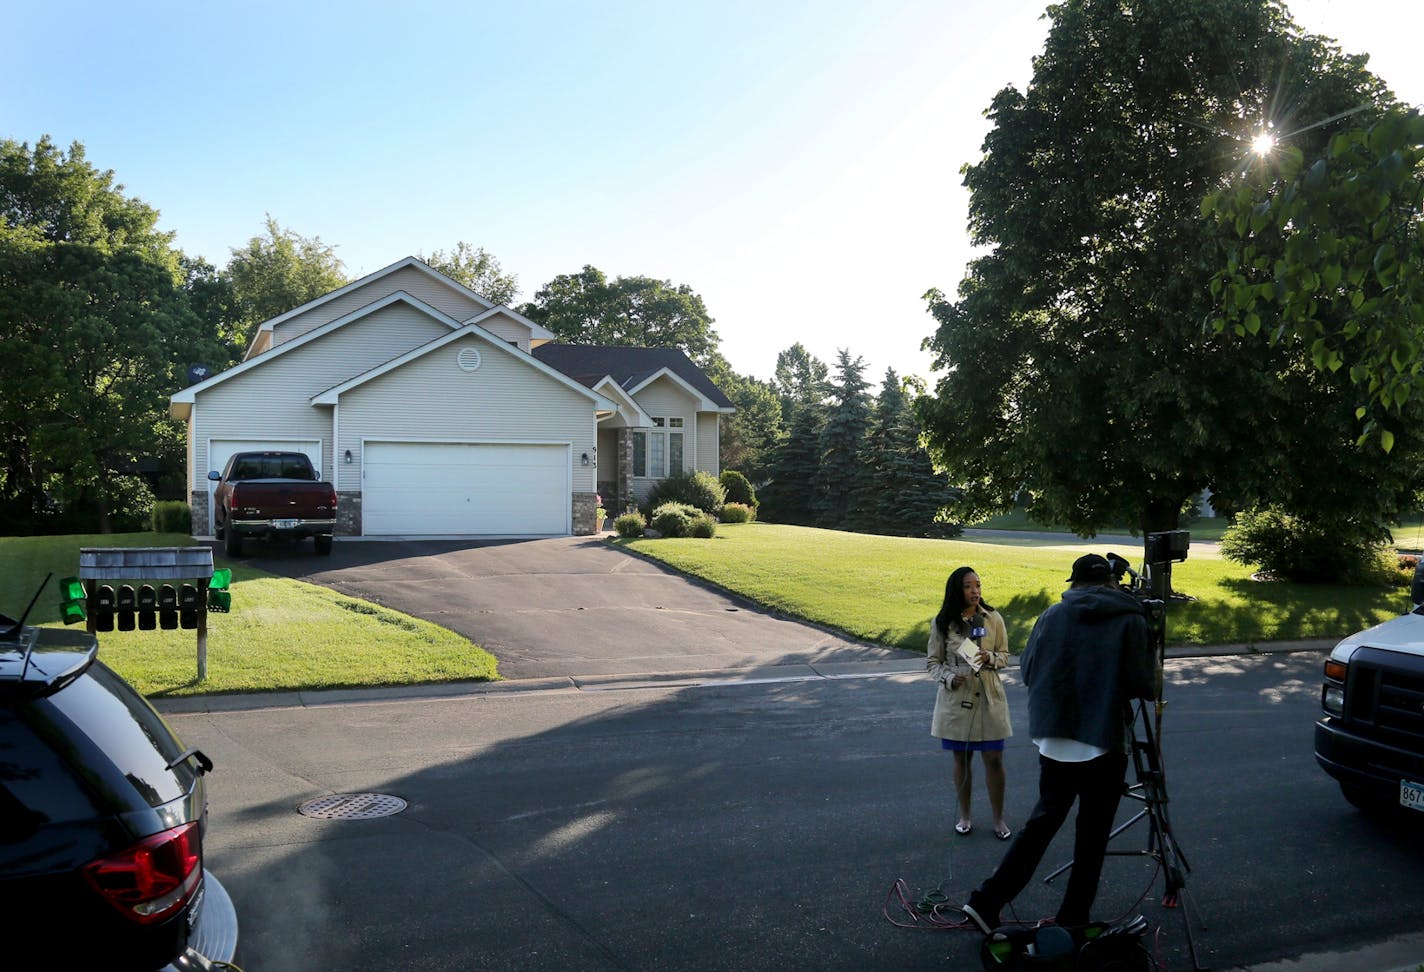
x,y
272,274
97,329
1327,257
477,269
587,308
1077,365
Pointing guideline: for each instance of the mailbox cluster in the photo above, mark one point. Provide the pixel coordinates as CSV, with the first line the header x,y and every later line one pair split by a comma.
x,y
145,607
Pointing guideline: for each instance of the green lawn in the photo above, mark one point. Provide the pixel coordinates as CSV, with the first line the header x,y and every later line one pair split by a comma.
x,y
885,589
281,634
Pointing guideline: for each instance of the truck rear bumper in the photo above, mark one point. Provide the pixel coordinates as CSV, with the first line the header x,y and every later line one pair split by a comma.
x,y
283,528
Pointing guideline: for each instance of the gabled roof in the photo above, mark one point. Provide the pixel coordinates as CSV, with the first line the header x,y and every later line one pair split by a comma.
x,y
497,345
633,368
180,403
536,331
410,261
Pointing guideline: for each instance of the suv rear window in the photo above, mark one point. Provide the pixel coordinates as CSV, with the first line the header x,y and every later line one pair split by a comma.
x,y
35,785
135,740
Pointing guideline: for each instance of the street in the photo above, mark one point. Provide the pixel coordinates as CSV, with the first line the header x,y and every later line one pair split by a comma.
x,y
757,825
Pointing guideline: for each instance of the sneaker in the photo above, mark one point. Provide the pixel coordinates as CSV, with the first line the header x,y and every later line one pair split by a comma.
x,y
984,919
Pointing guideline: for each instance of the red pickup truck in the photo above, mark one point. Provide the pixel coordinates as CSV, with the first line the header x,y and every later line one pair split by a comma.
x,y
272,494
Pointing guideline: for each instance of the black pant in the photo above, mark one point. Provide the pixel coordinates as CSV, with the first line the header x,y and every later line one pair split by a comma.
x,y
1097,785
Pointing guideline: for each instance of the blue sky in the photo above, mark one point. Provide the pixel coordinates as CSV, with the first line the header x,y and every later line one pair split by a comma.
x,y
796,163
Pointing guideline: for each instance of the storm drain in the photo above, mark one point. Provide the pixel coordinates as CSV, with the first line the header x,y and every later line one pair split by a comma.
x,y
353,806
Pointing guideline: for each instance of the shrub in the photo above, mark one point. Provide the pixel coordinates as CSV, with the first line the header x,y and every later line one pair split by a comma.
x,y
738,490
630,525
1302,549
172,516
674,519
738,513
703,528
699,489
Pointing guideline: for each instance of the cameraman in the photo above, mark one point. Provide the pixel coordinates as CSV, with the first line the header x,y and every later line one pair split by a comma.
x,y
1086,660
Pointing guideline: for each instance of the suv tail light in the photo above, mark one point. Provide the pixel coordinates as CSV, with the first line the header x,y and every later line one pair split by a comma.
x,y
154,878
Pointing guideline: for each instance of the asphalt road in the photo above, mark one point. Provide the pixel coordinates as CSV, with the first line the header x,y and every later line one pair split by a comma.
x,y
758,824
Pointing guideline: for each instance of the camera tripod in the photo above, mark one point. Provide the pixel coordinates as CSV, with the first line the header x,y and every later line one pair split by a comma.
x,y
1151,790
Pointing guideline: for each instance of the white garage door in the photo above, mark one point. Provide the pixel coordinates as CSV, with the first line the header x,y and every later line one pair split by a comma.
x,y
446,488
221,450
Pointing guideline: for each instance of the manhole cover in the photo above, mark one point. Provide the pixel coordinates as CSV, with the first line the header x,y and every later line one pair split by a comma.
x,y
353,806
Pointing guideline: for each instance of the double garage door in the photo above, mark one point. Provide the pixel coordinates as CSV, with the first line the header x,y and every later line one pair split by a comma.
x,y
464,489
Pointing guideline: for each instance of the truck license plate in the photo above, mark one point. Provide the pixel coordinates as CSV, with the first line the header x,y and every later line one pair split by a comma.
x,y
284,524
1411,795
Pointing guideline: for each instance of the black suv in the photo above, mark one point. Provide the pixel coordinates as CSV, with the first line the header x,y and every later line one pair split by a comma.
x,y
102,816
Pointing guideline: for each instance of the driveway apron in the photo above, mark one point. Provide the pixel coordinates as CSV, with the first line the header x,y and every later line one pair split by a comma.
x,y
573,606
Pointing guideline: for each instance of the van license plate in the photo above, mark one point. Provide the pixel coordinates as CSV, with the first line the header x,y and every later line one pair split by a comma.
x,y
1411,795
284,524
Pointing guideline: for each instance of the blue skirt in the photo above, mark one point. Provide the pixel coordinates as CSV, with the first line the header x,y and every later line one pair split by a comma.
x,y
984,745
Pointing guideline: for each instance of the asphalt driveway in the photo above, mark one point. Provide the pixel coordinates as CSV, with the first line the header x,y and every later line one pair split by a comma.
x,y
576,607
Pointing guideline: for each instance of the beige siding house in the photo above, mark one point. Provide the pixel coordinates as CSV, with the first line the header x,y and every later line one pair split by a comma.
x,y
437,413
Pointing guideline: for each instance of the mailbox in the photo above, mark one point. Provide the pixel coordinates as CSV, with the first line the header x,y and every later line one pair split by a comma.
x,y
124,605
147,599
168,607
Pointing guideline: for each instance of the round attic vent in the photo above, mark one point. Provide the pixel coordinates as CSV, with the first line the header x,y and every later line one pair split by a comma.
x,y
468,359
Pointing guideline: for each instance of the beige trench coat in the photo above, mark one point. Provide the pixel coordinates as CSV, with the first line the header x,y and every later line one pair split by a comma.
x,y
978,709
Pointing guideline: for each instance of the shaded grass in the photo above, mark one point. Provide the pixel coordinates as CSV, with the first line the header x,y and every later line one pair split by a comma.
x,y
885,589
282,634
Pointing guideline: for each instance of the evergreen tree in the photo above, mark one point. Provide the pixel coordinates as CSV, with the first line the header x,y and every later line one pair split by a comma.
x,y
902,495
844,471
791,495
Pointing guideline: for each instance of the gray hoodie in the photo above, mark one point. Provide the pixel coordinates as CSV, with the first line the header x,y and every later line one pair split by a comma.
x,y
1087,659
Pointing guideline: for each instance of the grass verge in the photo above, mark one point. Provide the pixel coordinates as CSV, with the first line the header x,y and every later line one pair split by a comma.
x,y
885,589
282,634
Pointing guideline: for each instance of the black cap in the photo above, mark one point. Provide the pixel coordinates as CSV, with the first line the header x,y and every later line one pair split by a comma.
x,y
1091,569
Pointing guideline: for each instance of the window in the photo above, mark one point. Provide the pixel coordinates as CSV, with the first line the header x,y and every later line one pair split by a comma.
x,y
659,451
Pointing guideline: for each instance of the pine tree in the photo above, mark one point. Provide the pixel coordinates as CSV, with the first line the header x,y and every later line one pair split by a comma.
x,y
843,447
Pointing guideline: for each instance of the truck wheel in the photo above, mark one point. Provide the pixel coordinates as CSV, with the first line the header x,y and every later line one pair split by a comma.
x,y
232,543
323,544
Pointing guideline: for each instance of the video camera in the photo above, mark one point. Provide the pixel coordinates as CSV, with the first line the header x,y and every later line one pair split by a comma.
x,y
1153,586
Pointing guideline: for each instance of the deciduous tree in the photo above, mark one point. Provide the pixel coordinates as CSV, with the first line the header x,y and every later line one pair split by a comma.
x,y
275,273
477,269
1076,361
588,308
96,331
1327,258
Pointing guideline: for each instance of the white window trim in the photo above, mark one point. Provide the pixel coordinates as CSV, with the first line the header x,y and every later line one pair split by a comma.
x,y
657,445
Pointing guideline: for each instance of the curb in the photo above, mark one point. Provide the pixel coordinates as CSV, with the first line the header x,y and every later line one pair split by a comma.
x,y
566,684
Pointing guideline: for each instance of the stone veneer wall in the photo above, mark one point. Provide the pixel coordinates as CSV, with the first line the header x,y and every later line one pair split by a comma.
x,y
583,507
348,513
198,506
625,473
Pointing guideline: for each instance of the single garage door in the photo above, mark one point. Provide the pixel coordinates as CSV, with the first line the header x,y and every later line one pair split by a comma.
x,y
447,488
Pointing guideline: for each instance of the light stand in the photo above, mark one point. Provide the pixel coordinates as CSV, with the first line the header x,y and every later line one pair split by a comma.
x,y
1154,588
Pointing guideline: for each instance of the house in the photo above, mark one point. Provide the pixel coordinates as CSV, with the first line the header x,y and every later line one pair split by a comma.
x,y
437,413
